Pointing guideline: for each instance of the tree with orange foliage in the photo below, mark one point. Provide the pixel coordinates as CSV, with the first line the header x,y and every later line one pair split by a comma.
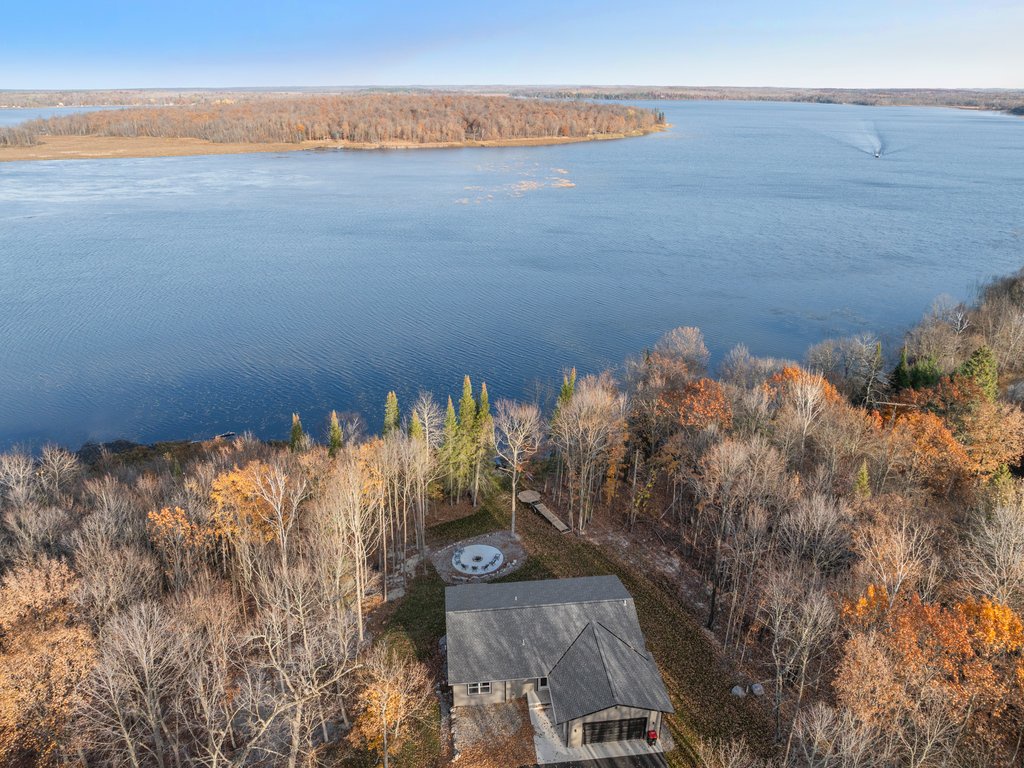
x,y
943,673
784,383
44,654
990,432
703,404
930,450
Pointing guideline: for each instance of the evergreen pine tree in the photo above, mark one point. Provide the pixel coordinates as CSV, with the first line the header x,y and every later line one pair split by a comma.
x,y
924,373
466,444
1002,485
391,414
567,391
862,486
451,424
901,375
450,449
295,439
334,438
483,410
467,408
982,369
416,427
484,429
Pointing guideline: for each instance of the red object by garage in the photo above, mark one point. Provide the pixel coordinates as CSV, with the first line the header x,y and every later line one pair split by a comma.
x,y
652,736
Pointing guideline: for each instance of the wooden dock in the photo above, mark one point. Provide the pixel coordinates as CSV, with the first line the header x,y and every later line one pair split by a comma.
x,y
533,499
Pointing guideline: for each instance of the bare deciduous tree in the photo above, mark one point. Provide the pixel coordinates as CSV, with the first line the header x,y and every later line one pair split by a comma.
x,y
132,692
685,344
346,532
993,561
586,430
815,530
517,435
896,554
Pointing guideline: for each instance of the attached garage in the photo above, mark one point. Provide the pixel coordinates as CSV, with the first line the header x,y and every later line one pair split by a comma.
x,y
615,730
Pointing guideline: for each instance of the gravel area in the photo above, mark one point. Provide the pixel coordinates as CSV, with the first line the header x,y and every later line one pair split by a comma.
x,y
498,735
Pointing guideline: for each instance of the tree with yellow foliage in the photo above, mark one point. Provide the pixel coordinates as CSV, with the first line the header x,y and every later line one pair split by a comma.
x,y
395,689
45,653
259,503
179,540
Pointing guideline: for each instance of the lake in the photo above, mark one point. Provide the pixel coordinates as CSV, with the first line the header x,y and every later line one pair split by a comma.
x,y
182,297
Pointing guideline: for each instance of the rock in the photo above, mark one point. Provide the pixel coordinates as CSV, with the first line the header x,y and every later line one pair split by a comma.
x,y
757,689
738,691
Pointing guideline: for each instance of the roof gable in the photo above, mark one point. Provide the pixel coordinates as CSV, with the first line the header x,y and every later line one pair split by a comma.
x,y
602,670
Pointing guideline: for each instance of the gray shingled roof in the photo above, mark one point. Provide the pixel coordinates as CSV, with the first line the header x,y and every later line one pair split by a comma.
x,y
519,630
601,670
523,629
521,594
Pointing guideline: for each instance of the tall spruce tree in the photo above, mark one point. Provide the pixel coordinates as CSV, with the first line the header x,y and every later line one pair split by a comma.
x,y
924,373
466,444
450,449
982,369
334,435
295,439
484,427
416,427
901,374
566,392
391,414
467,407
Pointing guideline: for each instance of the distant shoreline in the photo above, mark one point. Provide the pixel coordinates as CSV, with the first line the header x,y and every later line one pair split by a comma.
x,y
107,147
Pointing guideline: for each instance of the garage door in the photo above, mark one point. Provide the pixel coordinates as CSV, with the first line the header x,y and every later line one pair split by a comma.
x,y
615,730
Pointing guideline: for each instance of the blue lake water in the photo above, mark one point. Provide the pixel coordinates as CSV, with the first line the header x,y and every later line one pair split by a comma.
x,y
15,116
181,297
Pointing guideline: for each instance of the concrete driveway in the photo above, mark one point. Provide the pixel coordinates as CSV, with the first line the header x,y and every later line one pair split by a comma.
x,y
650,760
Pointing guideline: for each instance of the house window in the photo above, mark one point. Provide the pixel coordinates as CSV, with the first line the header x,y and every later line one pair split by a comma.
x,y
542,684
476,689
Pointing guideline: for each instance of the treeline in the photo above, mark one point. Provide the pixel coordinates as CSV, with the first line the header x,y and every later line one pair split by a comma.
x,y
139,97
370,118
104,98
17,136
857,522
982,98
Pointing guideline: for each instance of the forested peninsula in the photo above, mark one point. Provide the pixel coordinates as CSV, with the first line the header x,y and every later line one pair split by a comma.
x,y
827,557
301,121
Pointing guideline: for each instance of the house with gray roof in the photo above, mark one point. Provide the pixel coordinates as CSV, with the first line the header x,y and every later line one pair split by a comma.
x,y
575,644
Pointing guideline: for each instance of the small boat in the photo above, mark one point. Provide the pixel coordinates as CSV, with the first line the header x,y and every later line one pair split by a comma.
x,y
878,153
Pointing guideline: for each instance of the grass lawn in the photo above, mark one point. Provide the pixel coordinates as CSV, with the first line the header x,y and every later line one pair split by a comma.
x,y
696,674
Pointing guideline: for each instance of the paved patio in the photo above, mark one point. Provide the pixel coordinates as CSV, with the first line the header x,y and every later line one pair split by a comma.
x,y
509,544
613,754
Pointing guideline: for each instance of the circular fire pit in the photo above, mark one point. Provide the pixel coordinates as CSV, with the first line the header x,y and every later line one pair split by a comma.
x,y
477,559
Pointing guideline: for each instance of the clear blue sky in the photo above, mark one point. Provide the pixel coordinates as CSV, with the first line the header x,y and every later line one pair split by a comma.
x,y
172,43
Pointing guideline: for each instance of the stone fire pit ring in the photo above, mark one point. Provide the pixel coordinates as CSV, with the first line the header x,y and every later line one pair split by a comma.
x,y
477,559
